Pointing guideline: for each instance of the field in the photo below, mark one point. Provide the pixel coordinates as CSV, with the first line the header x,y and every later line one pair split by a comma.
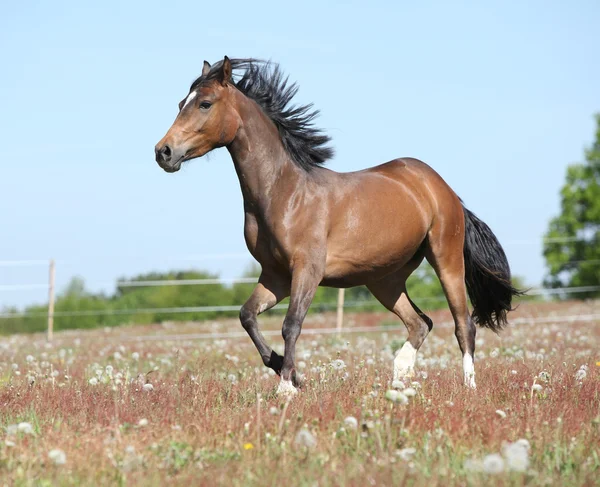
x,y
140,406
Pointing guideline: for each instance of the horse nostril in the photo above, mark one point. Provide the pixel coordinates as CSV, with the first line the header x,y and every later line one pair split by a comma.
x,y
163,154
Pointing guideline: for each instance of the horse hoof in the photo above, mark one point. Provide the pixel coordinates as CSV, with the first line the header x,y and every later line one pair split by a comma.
x,y
470,381
286,388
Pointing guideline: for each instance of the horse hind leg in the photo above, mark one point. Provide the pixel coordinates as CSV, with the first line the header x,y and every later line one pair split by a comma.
x,y
393,296
445,254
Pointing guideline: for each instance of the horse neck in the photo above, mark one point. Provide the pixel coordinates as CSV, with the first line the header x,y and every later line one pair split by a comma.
x,y
262,164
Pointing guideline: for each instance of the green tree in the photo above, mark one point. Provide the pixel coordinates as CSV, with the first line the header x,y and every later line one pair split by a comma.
x,y
572,243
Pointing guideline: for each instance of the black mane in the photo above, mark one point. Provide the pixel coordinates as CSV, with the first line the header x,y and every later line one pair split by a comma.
x,y
264,83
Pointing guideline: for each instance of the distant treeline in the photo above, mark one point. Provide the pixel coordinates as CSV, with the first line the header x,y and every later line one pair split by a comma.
x,y
423,286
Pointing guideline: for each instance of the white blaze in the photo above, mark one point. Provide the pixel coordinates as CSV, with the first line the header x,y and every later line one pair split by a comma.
x,y
190,97
469,371
404,361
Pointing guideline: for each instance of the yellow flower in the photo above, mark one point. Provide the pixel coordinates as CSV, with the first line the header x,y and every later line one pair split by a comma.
x,y
598,364
248,446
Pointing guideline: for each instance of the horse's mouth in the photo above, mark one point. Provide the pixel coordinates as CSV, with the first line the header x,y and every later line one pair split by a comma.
x,y
171,168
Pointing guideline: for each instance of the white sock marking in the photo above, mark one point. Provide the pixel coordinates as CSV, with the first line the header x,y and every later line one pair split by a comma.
x,y
469,371
404,361
190,97
286,388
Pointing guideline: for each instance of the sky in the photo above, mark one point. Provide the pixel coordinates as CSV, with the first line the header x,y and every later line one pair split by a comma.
x,y
497,96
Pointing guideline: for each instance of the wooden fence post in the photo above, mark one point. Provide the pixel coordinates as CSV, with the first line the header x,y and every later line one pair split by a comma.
x,y
51,278
340,310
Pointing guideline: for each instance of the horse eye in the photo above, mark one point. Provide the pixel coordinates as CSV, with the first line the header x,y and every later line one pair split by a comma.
x,y
205,105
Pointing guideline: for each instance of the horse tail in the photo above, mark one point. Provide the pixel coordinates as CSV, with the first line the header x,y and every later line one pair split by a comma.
x,y
487,274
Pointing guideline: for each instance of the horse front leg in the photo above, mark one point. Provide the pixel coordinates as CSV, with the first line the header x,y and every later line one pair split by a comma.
x,y
269,291
305,280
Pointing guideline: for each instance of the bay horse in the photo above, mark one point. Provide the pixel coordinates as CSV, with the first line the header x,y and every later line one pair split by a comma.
x,y
308,226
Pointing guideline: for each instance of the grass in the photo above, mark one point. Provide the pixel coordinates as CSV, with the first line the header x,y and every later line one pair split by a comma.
x,y
212,416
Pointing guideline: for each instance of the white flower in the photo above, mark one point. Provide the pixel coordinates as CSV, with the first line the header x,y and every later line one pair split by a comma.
x,y
29,358
93,381
536,387
273,411
117,356
109,369
351,422
409,392
148,387
406,453
580,374
135,356
516,455
493,464
396,397
57,456
513,372
305,438
143,422
232,378
338,364
398,384
9,443
25,428
501,413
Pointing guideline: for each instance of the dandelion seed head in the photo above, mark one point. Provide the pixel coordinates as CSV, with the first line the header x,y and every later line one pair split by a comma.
x,y
493,464
516,456
57,456
305,438
396,397
409,392
25,428
338,364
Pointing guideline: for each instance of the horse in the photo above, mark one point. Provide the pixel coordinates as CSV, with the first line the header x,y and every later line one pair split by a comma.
x,y
308,226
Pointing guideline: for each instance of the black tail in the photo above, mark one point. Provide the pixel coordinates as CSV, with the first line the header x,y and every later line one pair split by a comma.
x,y
487,274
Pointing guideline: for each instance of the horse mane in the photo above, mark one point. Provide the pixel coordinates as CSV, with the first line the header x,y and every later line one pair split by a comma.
x,y
265,83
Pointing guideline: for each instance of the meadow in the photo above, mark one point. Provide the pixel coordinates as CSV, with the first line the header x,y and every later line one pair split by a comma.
x,y
167,405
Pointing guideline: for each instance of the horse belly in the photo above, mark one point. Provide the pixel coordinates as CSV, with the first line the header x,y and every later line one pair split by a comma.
x,y
356,257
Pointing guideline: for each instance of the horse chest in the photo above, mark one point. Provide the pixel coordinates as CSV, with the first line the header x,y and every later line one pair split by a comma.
x,y
262,244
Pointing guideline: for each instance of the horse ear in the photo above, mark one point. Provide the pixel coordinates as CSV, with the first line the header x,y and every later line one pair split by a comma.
x,y
205,68
225,71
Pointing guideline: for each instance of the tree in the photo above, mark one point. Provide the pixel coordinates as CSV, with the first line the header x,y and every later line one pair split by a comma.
x,y
572,243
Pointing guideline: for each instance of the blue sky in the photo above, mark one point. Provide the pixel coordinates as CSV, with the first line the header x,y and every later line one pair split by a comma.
x,y
497,96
